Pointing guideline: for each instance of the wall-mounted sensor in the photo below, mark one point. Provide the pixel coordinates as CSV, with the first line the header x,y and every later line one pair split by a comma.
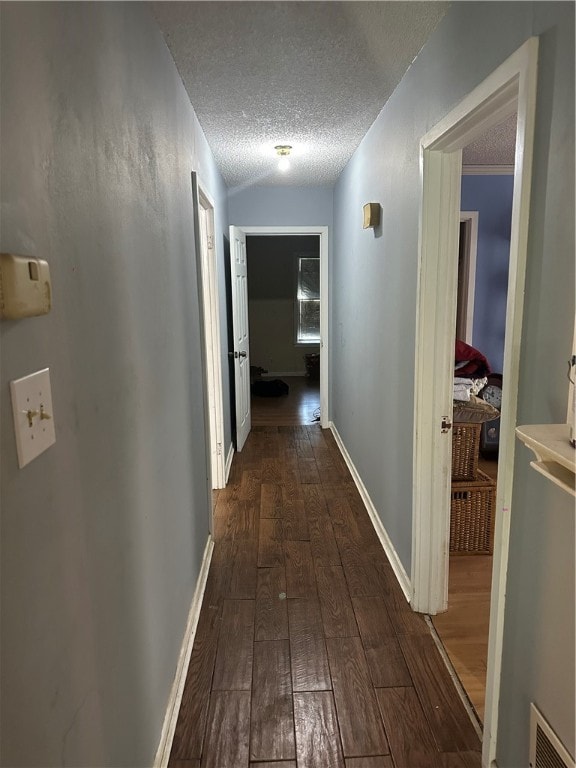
x,y
25,289
371,215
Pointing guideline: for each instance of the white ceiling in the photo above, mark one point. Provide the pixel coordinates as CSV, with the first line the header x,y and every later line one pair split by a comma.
x,y
311,74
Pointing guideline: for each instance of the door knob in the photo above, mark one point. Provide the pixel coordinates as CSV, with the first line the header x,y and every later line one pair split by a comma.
x,y
242,354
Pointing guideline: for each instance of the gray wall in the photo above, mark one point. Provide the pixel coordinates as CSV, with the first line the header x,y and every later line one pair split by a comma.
x,y
373,306
102,535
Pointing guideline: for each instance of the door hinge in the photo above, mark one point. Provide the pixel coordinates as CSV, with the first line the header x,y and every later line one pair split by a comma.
x,y
210,239
446,424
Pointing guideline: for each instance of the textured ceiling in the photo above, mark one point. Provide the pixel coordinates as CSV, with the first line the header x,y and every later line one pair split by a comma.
x,y
311,74
496,147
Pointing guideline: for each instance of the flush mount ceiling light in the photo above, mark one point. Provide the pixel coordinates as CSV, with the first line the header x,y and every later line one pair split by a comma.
x,y
283,150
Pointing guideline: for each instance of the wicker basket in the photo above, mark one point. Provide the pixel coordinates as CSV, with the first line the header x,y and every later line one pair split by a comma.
x,y
472,516
465,450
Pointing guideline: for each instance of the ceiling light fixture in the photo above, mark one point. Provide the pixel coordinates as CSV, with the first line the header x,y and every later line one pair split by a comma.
x,y
283,150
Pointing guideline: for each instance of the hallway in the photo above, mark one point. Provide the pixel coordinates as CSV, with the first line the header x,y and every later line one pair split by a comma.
x,y
306,651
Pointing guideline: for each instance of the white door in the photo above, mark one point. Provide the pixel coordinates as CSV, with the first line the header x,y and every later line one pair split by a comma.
x,y
239,273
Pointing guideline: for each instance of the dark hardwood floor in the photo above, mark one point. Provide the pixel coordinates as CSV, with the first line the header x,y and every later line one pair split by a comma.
x,y
307,654
301,406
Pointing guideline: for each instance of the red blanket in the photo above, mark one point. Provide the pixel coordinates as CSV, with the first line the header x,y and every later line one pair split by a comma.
x,y
477,366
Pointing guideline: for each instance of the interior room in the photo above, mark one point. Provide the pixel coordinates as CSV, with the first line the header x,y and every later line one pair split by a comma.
x,y
486,204
139,150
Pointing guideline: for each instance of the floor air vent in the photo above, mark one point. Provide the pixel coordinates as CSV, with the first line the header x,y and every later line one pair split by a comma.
x,y
546,749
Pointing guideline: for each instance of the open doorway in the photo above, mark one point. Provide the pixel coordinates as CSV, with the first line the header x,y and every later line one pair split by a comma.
x,y
284,306
319,235
510,88
483,260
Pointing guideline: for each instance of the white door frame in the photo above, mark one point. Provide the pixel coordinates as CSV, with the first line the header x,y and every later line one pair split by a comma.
x,y
472,217
208,289
512,87
324,330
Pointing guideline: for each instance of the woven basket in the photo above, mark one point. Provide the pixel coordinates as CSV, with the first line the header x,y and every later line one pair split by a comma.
x,y
472,516
465,450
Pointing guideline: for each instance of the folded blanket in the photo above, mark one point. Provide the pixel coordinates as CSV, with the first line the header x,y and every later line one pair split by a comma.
x,y
463,388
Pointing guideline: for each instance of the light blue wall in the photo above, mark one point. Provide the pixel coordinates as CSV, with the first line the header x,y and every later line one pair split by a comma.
x,y
282,206
491,196
373,301
103,535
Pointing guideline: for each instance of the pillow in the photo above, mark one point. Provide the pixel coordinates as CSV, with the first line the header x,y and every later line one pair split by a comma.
x,y
475,410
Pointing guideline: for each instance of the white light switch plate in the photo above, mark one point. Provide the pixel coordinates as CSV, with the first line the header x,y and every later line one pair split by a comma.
x,y
33,415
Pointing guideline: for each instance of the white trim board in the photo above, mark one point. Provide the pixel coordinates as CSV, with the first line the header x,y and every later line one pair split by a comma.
x,y
175,698
229,463
487,170
381,531
207,267
322,231
510,88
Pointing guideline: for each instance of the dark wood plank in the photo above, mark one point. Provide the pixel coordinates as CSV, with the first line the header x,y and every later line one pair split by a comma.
x,y
271,583
337,613
314,501
303,447
322,541
191,724
445,712
233,669
460,760
411,741
329,472
405,620
184,763
300,579
383,653
228,730
384,761
250,485
355,699
317,733
295,521
271,467
291,488
308,471
275,764
270,551
243,575
218,582
272,725
289,459
309,660
271,622
271,500
362,575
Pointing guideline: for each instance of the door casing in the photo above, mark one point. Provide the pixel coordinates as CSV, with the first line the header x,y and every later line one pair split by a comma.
x,y
207,260
512,87
322,232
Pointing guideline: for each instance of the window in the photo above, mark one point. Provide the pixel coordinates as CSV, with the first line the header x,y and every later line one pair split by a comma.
x,y
308,301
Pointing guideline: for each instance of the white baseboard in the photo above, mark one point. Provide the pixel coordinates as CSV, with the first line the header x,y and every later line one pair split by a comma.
x,y
228,463
275,374
381,532
163,752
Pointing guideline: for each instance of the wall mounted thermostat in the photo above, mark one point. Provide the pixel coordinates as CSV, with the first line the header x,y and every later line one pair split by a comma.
x,y
25,289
